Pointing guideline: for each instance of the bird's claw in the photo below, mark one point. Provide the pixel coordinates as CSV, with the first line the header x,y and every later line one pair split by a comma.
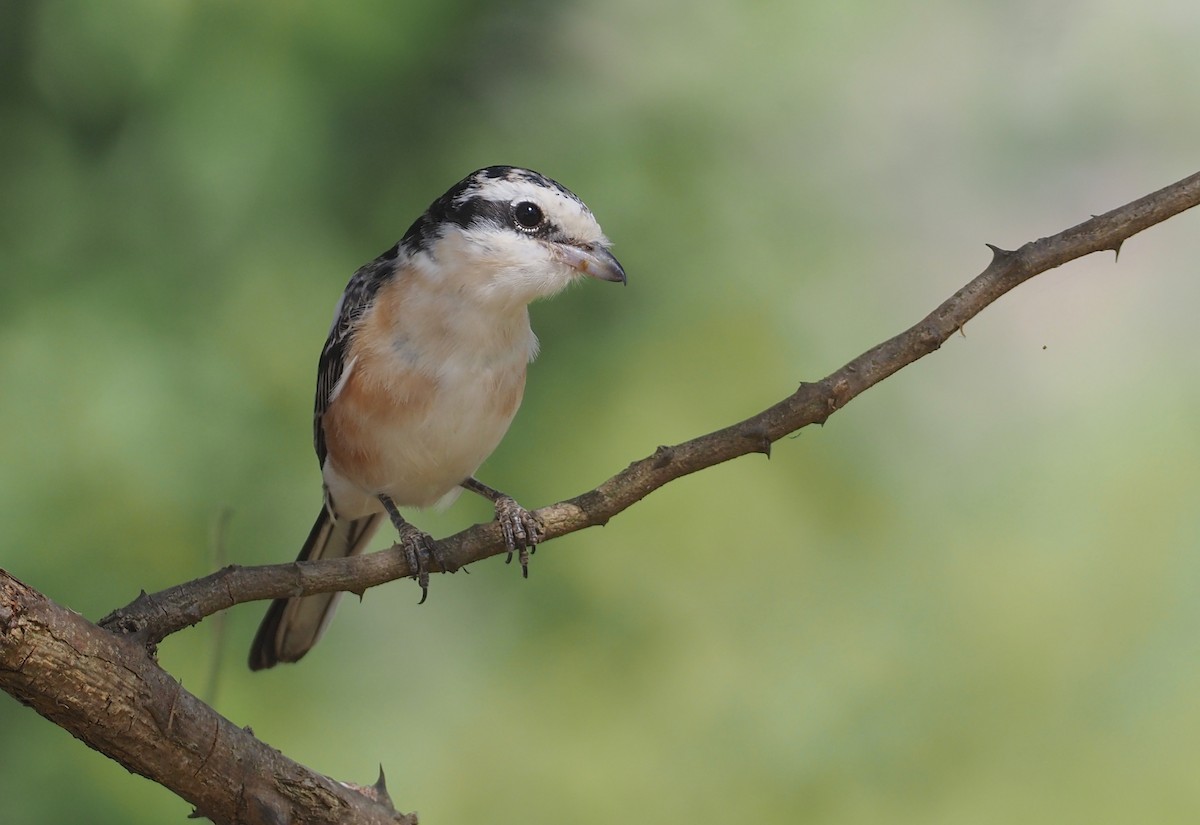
x,y
522,531
419,551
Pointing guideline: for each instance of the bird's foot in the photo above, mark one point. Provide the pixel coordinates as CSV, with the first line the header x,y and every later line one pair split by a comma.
x,y
419,548
522,531
421,553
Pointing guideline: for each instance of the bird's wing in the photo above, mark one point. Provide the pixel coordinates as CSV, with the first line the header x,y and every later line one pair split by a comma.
x,y
333,367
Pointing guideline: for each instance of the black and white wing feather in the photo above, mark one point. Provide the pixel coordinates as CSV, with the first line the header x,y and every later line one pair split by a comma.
x,y
355,301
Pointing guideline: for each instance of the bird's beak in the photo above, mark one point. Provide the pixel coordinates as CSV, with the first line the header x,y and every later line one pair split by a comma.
x,y
593,260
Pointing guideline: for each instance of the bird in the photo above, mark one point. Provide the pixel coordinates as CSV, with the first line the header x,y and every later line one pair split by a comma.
x,y
423,371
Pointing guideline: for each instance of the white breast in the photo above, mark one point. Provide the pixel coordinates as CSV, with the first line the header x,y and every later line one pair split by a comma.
x,y
430,395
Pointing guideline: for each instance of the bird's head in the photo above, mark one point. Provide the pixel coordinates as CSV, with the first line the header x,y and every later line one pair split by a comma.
x,y
509,235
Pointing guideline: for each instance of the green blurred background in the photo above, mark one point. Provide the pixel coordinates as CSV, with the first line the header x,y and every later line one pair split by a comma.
x,y
970,597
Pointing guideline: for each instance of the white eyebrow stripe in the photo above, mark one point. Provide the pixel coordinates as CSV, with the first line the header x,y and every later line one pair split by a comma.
x,y
502,189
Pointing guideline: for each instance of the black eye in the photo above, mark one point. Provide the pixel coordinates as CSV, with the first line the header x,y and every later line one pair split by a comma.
x,y
528,215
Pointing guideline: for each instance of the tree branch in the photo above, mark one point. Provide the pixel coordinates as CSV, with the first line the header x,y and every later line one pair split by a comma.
x,y
107,690
152,618
108,693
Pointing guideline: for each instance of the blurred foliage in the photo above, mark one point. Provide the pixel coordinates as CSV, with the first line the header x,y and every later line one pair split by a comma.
x,y
971,597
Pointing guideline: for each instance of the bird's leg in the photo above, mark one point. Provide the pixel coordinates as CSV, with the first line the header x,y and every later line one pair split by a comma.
x,y
418,546
522,529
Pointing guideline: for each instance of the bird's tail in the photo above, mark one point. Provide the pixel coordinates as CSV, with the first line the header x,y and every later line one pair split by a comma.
x,y
292,626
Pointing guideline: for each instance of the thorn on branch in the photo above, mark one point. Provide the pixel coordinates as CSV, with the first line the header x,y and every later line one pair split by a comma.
x,y
765,446
1116,249
999,255
377,792
759,439
804,385
381,786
